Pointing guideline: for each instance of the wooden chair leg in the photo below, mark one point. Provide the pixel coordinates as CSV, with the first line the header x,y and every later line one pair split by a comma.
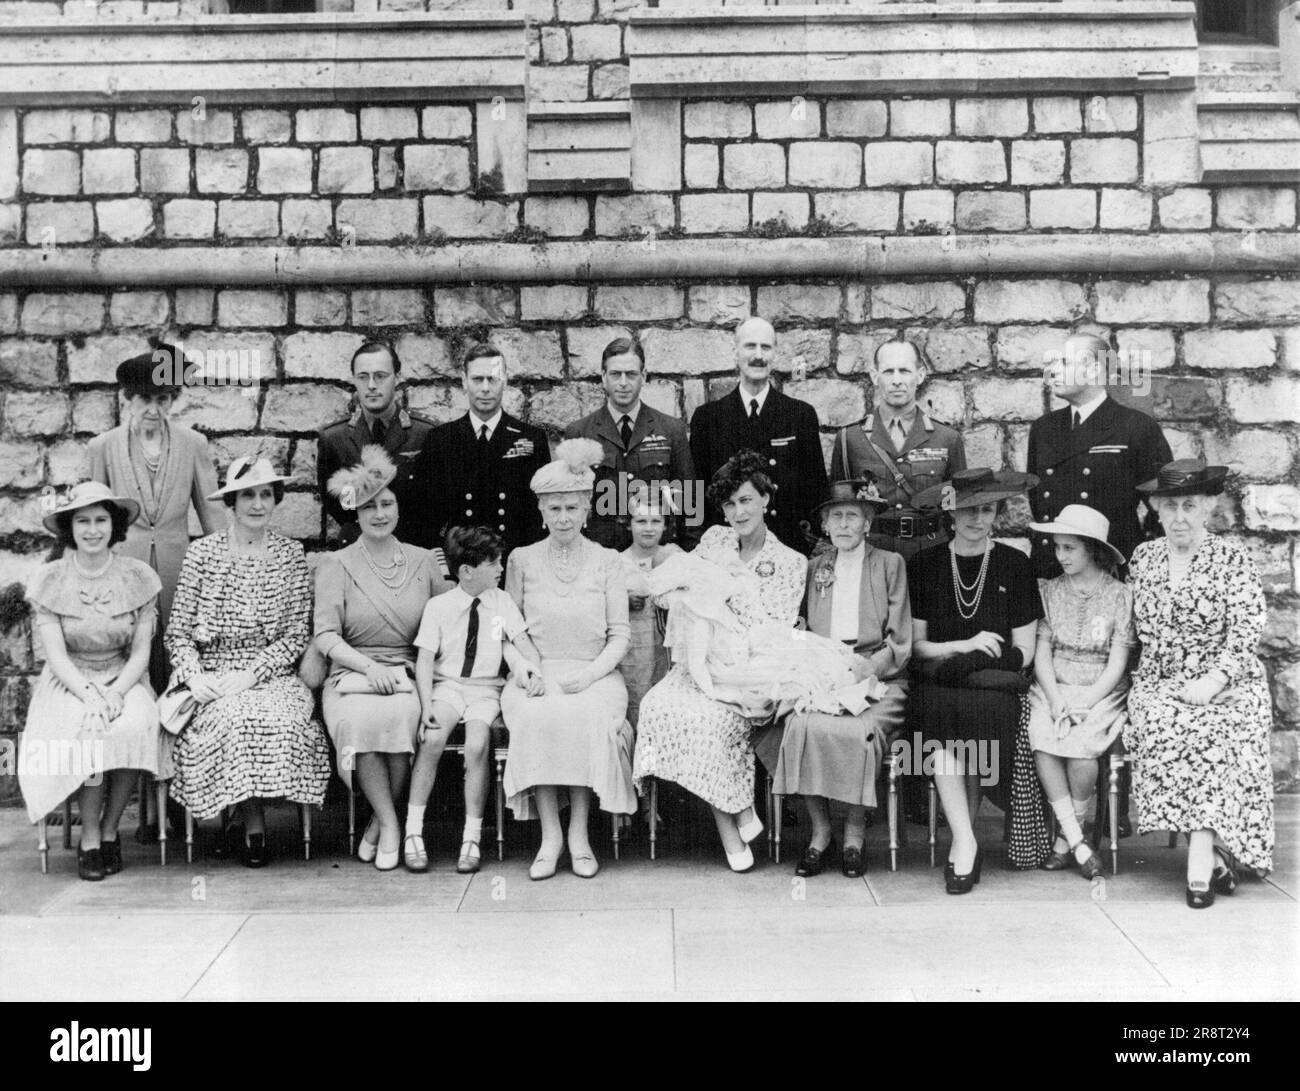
x,y
1112,785
501,807
1173,839
616,819
160,797
67,823
775,814
934,820
352,820
43,846
654,816
143,789
305,811
891,810
189,836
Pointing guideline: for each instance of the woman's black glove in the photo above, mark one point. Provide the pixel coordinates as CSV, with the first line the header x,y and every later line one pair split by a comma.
x,y
950,670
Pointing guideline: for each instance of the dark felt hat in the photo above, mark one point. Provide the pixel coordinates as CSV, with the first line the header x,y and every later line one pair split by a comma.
x,y
158,371
1186,477
973,487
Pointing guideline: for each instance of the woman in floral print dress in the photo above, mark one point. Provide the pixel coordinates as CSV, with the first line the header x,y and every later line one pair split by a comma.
x,y
683,734
1199,710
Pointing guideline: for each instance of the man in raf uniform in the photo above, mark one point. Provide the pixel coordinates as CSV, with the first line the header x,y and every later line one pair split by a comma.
x,y
1092,451
783,430
641,445
377,418
903,449
475,471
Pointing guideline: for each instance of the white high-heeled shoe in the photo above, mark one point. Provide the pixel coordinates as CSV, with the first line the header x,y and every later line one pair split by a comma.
x,y
367,850
750,830
740,861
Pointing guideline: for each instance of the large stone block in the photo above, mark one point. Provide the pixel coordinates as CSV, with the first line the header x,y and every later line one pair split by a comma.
x,y
22,464
1110,114
558,406
1185,210
719,304
1125,210
753,166
380,219
225,449
303,407
1275,401
945,401
94,411
468,218
954,349
239,307
67,462
51,172
1131,302
1257,301
856,117
65,127
970,161
992,117
436,166
825,164
713,119
558,83
144,126
939,300
306,219
801,352
1253,208
1170,138
1057,115
446,122
784,302
95,359
702,164
559,217
1176,398
610,81
552,302
203,126
1068,209
532,354
898,163
597,42
688,352
983,445
837,401
474,305
1255,453
283,170
138,308
862,211
1147,350
164,170
265,126
854,352
221,170
797,117
29,363
108,170
639,302
58,223
346,170
425,356
326,126
320,307
792,208
62,314
929,209
19,515
920,117
1007,399
298,516
714,213
1037,162
248,219
985,210
320,355
388,307
389,123
1105,159
586,344
1229,349
1002,301
1271,507
35,413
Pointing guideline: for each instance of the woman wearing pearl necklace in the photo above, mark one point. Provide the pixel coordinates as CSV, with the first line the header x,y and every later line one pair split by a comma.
x,y
975,611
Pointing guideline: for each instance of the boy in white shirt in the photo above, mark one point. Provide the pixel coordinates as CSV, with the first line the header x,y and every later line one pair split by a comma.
x,y
464,636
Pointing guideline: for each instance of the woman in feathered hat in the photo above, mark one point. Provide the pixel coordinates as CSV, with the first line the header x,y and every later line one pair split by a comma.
x,y
1200,716
370,597
573,595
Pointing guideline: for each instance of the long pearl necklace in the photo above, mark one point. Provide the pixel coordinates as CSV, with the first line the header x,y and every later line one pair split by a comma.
x,y
392,575
564,560
968,596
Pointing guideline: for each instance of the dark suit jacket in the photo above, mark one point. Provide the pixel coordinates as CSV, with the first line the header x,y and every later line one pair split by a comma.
x,y
453,488
1101,464
786,435
340,445
658,452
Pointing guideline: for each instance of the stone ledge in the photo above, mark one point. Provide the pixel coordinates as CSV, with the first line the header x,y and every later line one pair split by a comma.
x,y
305,58
908,48
666,259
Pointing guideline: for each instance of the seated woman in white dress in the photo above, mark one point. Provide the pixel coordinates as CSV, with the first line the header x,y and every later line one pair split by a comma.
x,y
92,719
689,735
574,736
857,594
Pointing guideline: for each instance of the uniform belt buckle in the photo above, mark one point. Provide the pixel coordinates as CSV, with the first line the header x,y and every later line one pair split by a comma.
x,y
906,526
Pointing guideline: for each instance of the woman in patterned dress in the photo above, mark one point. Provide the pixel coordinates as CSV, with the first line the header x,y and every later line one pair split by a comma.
x,y
1077,701
1199,711
685,735
370,597
575,736
240,622
92,716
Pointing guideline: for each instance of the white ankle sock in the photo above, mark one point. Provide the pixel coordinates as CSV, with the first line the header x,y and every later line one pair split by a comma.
x,y
414,820
1083,851
473,830
1068,820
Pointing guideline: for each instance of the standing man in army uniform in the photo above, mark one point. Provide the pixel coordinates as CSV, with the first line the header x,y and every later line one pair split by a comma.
x,y
1092,451
784,430
645,450
475,471
903,449
377,418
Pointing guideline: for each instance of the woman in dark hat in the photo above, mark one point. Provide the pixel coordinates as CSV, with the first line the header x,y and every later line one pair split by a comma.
x,y
166,468
856,594
975,611
1199,711
92,725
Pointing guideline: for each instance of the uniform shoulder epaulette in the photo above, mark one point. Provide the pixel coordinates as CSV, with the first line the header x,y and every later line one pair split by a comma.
x,y
421,418
336,423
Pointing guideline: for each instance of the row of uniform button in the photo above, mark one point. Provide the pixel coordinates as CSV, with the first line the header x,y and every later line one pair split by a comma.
x,y
500,511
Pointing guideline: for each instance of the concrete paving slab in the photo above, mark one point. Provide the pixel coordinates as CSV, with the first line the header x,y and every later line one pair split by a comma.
x,y
849,950
107,957
410,956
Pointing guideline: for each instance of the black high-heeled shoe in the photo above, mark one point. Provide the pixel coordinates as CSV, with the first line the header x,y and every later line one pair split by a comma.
x,y
964,884
813,861
1090,868
1224,878
255,853
1200,899
112,853
90,864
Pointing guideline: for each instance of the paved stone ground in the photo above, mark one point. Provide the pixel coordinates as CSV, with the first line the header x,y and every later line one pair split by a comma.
x,y
676,928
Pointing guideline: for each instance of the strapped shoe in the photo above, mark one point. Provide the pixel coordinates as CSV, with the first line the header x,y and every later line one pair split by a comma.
x,y
469,858
414,855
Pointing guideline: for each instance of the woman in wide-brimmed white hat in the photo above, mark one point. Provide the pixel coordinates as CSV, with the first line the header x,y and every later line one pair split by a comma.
x,y
92,720
1077,701
240,622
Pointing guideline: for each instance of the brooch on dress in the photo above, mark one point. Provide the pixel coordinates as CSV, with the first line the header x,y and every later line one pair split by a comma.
x,y
823,578
765,569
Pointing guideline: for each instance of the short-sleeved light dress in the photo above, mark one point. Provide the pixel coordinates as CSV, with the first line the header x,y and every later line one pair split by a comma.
x,y
579,739
1078,632
98,615
234,612
691,739
380,622
646,661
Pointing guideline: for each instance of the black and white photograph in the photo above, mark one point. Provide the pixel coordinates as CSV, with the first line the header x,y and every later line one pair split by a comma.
x,y
650,500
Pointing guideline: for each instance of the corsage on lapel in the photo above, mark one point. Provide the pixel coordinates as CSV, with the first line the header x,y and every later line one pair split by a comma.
x,y
823,578
765,569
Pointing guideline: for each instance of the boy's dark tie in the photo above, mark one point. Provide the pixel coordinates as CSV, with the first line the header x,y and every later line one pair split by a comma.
x,y
471,640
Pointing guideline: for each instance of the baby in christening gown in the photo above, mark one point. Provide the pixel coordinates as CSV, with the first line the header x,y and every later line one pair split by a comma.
x,y
763,670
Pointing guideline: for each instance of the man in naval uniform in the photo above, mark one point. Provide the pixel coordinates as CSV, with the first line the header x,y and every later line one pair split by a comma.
x,y
377,418
645,450
475,471
903,449
783,430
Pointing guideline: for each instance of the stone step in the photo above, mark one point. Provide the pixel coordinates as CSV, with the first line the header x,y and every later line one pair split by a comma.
x,y
579,147
1249,135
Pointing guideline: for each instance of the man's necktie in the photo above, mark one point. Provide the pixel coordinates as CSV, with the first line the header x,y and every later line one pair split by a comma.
x,y
482,439
753,408
471,640
625,430
1075,422
899,433
377,432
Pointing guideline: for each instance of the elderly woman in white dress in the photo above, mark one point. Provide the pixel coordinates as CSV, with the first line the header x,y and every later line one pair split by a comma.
x,y
575,736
